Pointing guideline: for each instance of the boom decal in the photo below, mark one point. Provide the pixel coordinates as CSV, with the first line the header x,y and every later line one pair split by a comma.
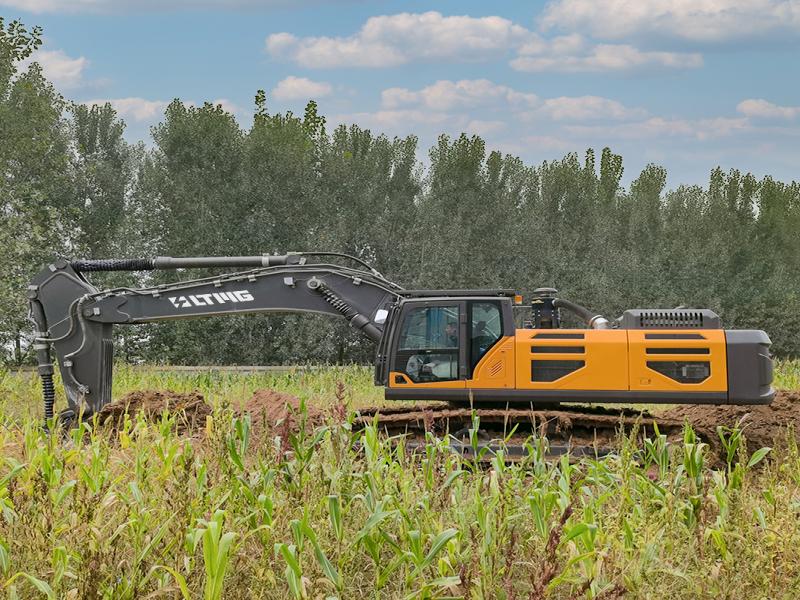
x,y
211,299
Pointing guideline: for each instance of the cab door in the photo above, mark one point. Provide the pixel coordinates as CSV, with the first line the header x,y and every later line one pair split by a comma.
x,y
428,349
490,325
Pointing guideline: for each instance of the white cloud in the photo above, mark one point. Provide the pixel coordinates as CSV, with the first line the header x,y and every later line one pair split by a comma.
x,y
401,122
696,20
761,109
510,120
227,106
491,98
300,88
43,6
391,40
660,127
485,128
130,6
467,93
137,109
588,108
573,53
62,70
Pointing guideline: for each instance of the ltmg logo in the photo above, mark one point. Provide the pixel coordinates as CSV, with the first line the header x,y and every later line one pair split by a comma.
x,y
211,299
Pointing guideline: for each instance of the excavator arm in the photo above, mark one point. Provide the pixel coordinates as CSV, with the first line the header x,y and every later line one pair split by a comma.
x,y
75,318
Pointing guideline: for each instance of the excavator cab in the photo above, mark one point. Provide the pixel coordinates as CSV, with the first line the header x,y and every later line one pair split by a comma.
x,y
439,341
465,347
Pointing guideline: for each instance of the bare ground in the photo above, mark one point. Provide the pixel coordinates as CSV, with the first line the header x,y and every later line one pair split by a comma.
x,y
190,407
277,413
764,425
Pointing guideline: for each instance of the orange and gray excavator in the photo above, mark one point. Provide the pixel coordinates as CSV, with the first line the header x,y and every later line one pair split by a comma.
x,y
461,346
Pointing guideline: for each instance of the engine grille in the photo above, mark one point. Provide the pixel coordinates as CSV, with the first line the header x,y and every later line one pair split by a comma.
x,y
670,318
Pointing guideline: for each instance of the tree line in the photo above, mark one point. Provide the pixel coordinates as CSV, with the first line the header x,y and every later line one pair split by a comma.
x,y
466,217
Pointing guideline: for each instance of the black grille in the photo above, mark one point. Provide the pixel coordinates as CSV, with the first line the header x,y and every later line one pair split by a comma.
x,y
678,351
660,320
670,318
558,336
558,349
673,336
551,370
683,371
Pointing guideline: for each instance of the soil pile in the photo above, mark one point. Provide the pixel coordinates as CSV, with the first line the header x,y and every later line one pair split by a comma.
x,y
191,408
763,425
277,411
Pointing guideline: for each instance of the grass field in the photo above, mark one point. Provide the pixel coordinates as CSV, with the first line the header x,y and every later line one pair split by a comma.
x,y
142,512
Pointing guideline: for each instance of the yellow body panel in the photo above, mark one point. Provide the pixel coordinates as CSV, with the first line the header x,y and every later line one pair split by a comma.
x,y
646,379
496,369
615,360
395,377
605,353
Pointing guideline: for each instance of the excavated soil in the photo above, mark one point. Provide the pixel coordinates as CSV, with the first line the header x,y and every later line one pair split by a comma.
x,y
269,410
762,425
277,411
191,408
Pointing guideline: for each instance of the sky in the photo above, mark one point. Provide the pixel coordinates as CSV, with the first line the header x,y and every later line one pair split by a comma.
x,y
687,84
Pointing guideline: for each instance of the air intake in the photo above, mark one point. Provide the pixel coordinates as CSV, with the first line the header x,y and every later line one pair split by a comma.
x,y
670,318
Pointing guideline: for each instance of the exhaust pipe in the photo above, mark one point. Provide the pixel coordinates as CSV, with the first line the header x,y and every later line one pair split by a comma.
x,y
545,313
592,320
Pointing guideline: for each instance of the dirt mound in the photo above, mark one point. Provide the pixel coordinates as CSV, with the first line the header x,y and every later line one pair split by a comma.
x,y
270,410
191,408
763,425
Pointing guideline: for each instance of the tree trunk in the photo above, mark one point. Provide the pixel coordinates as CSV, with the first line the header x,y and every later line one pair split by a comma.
x,y
18,349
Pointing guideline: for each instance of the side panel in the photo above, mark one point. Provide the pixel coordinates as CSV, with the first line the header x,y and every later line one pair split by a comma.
x,y
678,360
401,380
496,369
571,359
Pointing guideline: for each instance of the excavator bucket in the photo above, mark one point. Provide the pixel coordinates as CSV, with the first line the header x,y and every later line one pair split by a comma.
x,y
85,347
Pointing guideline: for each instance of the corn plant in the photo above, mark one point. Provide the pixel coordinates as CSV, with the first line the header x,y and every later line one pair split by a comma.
x,y
293,571
133,510
217,545
657,452
238,440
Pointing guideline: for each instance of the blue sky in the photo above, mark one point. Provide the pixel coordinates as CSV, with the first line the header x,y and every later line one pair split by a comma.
x,y
689,84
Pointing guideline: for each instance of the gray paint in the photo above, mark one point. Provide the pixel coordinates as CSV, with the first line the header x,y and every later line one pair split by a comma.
x,y
555,396
78,318
669,318
749,367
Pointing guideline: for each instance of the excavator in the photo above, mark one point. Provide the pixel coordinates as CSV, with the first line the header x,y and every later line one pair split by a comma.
x,y
460,346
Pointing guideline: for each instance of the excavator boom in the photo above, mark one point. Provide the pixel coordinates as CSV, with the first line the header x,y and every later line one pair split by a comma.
x,y
76,318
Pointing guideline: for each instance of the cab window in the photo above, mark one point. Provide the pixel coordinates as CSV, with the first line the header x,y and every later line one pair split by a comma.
x,y
428,345
486,327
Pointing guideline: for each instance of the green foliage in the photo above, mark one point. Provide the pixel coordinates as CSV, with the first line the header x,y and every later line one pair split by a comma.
x,y
471,218
145,511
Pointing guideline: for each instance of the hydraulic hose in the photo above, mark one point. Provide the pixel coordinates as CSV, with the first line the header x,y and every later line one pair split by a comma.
x,y
49,394
44,363
114,264
197,262
592,320
355,319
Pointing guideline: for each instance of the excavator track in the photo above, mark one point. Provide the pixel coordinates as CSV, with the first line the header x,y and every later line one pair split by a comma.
x,y
578,430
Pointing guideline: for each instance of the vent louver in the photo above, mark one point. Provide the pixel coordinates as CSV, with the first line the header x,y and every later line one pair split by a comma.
x,y
674,318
